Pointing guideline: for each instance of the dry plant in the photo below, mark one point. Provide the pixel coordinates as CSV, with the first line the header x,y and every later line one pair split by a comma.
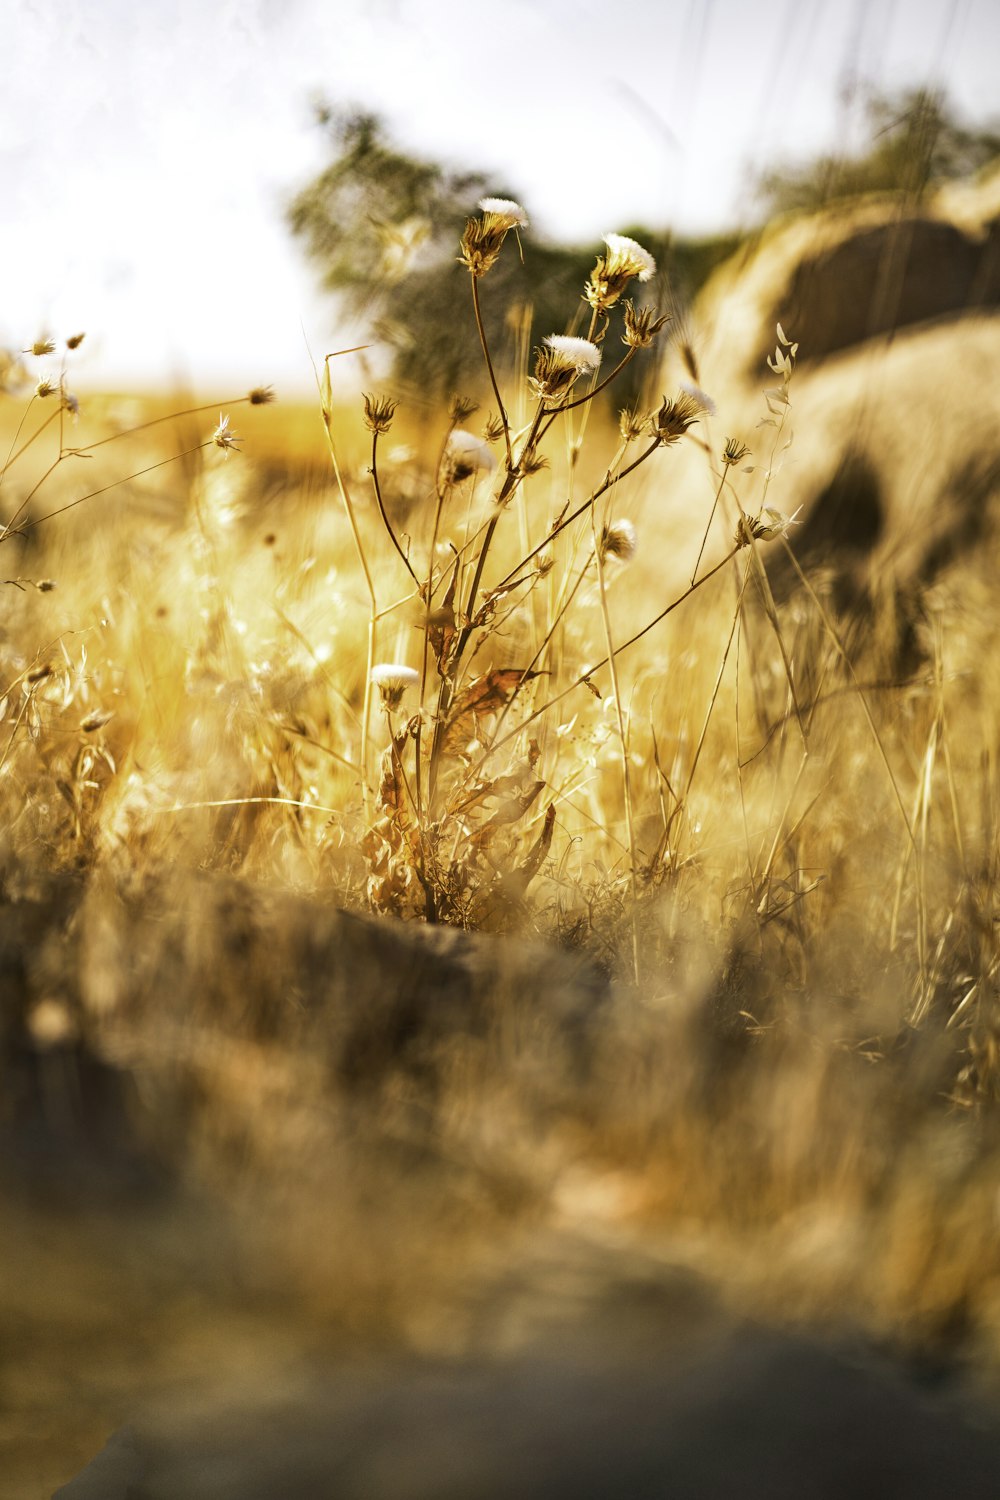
x,y
461,818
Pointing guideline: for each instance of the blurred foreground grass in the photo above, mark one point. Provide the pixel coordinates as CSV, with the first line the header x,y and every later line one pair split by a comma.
x,y
796,1101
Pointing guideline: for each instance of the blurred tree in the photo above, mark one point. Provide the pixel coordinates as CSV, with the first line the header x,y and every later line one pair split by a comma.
x,y
383,227
916,141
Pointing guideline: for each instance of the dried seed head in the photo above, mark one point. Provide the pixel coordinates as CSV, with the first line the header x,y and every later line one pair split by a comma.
x,y
222,437
641,326
558,364
46,585
46,388
734,452
619,540
493,428
465,454
95,720
765,527
674,418
631,421
773,523
75,340
41,346
623,260
378,412
71,403
261,395
461,409
483,238
39,673
506,209
697,394
392,680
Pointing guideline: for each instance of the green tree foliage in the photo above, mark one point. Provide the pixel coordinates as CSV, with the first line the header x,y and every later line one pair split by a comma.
x,y
383,227
915,141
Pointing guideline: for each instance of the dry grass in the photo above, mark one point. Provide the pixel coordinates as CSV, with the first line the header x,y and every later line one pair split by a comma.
x,y
786,874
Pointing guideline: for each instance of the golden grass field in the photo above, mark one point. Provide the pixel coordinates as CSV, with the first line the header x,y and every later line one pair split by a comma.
x,y
759,847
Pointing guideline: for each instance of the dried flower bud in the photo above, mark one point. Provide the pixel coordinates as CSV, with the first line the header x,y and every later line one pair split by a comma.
x,y
461,409
483,238
392,680
465,454
765,527
493,428
261,395
378,412
734,452
222,437
75,340
46,585
41,346
697,394
631,421
559,363
623,260
46,388
674,418
641,326
619,540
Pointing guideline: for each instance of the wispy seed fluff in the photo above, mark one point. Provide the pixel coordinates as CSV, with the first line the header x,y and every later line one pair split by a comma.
x,y
466,454
619,540
505,208
624,260
392,679
559,362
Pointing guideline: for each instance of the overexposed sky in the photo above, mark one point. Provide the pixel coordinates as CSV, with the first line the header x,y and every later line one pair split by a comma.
x,y
147,147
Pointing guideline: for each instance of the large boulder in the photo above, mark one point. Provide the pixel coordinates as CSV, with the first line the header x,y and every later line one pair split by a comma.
x,y
894,467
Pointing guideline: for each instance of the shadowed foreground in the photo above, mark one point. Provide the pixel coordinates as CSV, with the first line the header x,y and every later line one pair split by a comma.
x,y
302,1204
744,1413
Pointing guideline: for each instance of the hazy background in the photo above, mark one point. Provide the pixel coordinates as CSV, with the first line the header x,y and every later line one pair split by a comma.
x,y
147,152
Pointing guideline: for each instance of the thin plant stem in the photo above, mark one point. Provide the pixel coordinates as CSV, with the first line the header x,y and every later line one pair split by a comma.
x,y
708,526
327,411
489,365
585,676
382,511
607,484
623,740
12,457
11,530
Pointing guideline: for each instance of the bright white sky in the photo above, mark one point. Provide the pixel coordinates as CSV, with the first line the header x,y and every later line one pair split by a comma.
x,y
147,146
